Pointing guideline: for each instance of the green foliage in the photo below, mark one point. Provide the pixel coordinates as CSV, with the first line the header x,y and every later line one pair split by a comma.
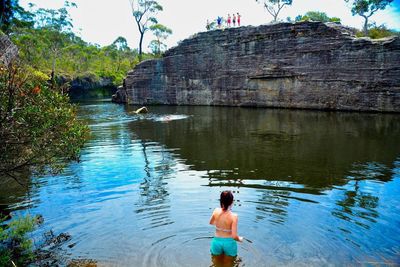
x,y
15,246
368,7
39,131
317,16
274,7
7,10
210,26
67,55
377,32
46,43
13,15
161,33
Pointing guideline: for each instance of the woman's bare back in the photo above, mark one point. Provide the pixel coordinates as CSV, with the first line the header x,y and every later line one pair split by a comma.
x,y
225,223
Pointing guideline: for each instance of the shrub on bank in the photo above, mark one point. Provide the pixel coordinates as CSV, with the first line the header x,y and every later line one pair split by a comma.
x,y
15,246
377,32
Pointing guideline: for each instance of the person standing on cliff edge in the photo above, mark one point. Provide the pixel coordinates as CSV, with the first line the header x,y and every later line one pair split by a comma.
x,y
219,21
238,19
228,21
208,26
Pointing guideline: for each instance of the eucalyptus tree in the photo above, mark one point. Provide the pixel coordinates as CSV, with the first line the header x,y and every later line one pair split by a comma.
x,y
120,44
274,7
366,8
161,33
52,22
144,12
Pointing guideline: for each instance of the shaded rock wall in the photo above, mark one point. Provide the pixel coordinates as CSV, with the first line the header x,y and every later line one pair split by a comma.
x,y
87,85
301,65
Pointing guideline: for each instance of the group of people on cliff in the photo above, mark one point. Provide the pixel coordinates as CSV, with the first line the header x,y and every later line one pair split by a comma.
x,y
229,21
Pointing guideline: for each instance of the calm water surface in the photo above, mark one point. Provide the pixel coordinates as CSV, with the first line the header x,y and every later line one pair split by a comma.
x,y
311,188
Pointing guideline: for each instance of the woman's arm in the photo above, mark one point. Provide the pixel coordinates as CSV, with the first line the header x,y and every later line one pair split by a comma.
x,y
234,229
212,219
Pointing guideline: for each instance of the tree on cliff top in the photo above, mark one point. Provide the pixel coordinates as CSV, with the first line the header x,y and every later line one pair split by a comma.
x,y
273,7
366,8
161,33
143,12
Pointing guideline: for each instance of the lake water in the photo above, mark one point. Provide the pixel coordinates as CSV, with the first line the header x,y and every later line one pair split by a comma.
x,y
311,188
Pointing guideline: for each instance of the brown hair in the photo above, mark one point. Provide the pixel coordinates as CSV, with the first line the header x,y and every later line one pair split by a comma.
x,y
226,199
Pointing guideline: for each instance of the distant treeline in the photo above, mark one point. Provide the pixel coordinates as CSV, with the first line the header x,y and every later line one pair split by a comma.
x,y
47,44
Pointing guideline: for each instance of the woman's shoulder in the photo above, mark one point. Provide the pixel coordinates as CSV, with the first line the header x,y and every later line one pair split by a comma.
x,y
217,210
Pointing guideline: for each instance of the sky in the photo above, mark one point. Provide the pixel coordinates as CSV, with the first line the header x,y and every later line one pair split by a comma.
x,y
103,21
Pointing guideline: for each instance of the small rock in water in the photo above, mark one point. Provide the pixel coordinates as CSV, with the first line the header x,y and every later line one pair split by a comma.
x,y
51,239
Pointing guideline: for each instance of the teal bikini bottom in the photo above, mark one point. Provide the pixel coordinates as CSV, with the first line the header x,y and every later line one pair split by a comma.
x,y
223,245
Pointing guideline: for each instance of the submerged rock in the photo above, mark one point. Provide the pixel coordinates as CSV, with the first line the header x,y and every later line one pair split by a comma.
x,y
290,65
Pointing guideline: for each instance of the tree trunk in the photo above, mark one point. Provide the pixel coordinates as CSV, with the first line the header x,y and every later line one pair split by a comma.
x,y
53,72
10,85
365,29
140,46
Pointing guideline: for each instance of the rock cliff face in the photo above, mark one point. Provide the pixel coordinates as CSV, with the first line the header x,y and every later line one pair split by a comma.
x,y
8,51
302,65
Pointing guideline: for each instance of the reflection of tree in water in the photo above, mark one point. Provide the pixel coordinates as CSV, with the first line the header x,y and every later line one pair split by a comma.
x,y
357,206
153,202
17,194
273,204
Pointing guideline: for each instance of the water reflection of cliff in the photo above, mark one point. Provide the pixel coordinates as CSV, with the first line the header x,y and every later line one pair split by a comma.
x,y
314,149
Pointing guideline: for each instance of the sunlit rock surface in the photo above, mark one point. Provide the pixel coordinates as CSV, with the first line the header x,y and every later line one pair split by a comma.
x,y
8,51
290,65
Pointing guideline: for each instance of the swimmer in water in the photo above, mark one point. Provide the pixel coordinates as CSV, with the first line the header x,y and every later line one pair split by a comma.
x,y
226,225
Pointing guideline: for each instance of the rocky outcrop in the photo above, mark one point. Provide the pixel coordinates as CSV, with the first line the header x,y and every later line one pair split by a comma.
x,y
120,96
87,84
290,65
8,51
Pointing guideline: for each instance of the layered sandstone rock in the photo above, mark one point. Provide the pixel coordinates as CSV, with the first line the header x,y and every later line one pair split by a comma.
x,y
301,65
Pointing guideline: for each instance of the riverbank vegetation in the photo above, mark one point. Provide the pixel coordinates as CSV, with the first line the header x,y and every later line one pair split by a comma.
x,y
39,134
16,248
39,130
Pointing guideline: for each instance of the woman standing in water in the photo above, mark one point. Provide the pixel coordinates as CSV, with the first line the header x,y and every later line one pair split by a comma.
x,y
226,224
